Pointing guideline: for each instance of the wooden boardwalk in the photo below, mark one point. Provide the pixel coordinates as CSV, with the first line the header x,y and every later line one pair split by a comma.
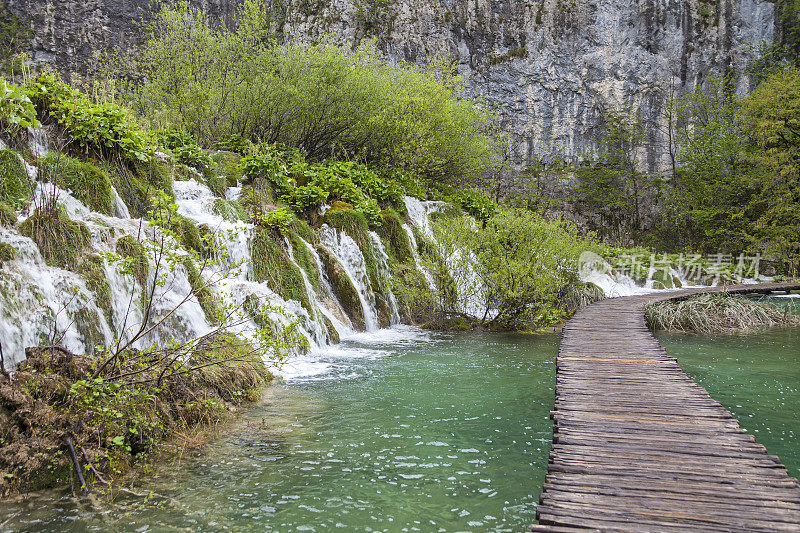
x,y
639,446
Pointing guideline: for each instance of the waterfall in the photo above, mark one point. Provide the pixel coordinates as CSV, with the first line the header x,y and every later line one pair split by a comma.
x,y
462,265
349,255
426,273
329,303
385,277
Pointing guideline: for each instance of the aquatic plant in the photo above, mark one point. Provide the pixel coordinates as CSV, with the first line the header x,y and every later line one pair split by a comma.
x,y
717,313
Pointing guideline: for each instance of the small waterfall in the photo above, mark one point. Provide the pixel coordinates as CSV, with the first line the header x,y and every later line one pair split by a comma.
x,y
329,303
464,269
347,252
417,260
385,277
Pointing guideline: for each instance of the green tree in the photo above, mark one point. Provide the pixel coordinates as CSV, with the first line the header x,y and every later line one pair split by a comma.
x,y
771,119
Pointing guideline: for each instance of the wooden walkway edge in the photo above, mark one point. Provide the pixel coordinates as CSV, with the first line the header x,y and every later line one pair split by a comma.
x,y
639,446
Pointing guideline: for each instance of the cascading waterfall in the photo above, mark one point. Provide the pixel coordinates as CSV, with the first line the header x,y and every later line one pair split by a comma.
x,y
328,303
464,269
426,273
349,255
385,277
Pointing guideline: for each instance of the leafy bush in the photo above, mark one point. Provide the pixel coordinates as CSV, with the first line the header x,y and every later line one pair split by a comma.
x,y
278,219
476,205
16,109
89,184
327,98
104,129
185,149
524,262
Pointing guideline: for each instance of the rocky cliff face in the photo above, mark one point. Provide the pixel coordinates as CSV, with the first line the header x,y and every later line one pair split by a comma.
x,y
554,68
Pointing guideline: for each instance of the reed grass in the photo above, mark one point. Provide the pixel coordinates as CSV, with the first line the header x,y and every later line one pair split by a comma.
x,y
718,313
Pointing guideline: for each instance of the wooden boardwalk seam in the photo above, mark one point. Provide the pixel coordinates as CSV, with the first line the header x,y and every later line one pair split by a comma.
x,y
639,446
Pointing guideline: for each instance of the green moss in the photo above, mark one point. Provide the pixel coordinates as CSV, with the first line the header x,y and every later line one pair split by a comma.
x,y
60,240
91,268
302,256
332,333
136,255
7,252
7,215
271,264
202,291
392,231
301,228
137,183
15,186
231,211
89,183
226,164
188,233
355,225
343,287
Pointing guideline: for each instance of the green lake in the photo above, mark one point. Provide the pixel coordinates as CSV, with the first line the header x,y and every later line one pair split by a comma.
x,y
411,431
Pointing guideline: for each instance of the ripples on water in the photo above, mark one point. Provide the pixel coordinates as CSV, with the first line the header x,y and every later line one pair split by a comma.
x,y
399,431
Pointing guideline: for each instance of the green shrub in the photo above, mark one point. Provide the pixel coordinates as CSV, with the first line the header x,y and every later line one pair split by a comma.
x,y
102,129
16,109
326,98
227,165
279,219
271,264
89,184
15,186
185,149
61,241
475,204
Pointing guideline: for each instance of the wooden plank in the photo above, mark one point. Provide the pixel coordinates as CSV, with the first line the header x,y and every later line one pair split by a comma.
x,y
639,446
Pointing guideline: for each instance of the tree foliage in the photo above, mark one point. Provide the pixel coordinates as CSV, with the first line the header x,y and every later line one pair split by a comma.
x,y
326,98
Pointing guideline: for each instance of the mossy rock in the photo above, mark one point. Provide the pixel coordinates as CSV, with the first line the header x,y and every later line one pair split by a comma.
x,y
343,287
7,215
226,165
218,184
393,233
136,256
7,252
89,183
61,241
188,234
91,268
137,183
333,335
201,290
356,226
15,185
304,258
271,263
383,310
301,228
662,280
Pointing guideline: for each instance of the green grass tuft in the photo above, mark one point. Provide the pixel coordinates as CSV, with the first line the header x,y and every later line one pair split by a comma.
x,y
7,215
202,291
15,186
91,268
717,313
60,240
89,183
